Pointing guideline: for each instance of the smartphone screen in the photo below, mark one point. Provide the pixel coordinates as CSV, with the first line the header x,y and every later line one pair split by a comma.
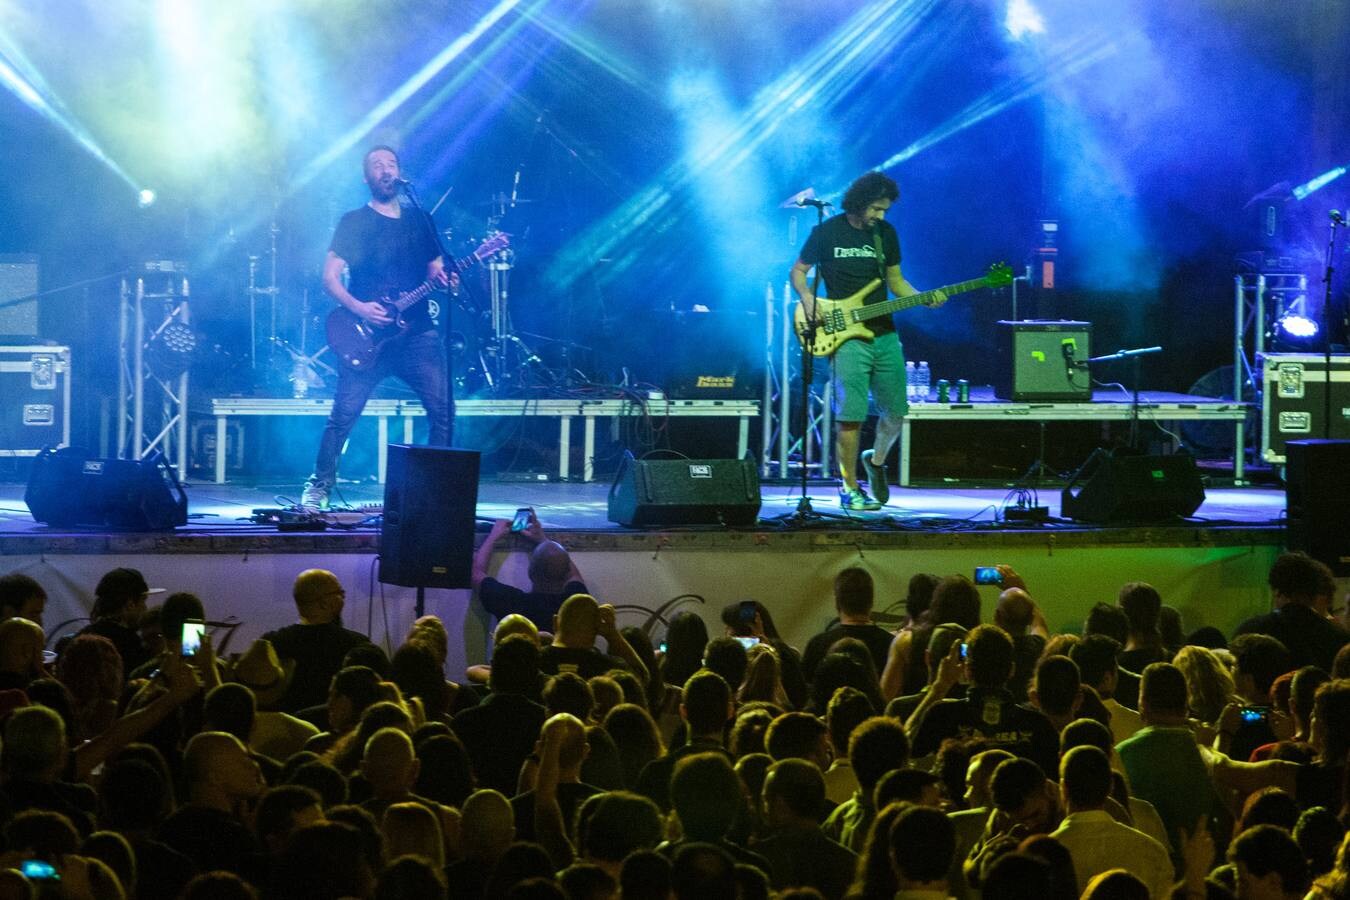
x,y
988,575
522,519
1252,714
748,642
963,649
192,636
37,870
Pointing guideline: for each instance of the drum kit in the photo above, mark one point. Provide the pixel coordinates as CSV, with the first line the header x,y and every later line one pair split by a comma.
x,y
488,356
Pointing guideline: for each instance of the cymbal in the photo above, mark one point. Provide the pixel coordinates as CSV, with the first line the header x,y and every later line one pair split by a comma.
x,y
795,200
503,199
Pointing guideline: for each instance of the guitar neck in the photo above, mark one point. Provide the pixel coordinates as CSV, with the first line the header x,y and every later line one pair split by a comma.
x,y
406,300
897,304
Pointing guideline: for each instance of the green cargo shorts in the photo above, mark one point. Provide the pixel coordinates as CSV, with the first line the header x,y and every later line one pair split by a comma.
x,y
878,365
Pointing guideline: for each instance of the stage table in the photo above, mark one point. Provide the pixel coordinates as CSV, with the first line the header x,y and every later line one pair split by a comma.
x,y
224,408
1154,406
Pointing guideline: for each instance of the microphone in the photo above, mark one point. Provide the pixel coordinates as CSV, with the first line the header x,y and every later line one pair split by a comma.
x,y
1069,363
811,201
1337,217
402,182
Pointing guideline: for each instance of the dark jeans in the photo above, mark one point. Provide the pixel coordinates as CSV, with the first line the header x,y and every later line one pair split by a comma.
x,y
419,360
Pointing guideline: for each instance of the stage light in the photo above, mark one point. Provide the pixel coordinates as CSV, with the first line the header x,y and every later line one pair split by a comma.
x,y
171,351
145,197
1321,181
1293,331
1023,19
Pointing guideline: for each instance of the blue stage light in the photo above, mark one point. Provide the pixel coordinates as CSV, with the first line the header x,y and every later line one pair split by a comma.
x,y
1293,331
145,197
1321,181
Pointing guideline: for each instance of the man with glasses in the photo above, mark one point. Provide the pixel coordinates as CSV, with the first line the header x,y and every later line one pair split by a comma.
x,y
318,643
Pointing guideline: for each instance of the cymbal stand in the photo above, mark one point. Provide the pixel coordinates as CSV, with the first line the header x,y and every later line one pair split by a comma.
x,y
499,278
270,292
305,369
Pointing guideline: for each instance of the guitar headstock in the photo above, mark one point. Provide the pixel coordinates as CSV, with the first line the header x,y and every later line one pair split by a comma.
x,y
1000,274
499,241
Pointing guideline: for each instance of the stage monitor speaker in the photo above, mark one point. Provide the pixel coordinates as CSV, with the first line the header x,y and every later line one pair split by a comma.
x,y
430,498
656,492
1039,360
68,488
1317,500
1122,489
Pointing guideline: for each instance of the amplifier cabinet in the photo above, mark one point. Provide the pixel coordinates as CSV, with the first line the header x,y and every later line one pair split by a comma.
x,y
1293,400
1041,360
34,399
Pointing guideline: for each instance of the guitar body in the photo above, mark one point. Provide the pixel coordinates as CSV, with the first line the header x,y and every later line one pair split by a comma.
x,y
356,342
845,319
835,321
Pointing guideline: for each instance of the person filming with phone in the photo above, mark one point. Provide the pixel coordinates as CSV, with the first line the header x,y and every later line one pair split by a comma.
x,y
553,575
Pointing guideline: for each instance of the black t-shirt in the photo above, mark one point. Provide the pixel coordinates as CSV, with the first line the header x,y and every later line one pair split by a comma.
x,y
991,714
587,662
1311,639
847,259
877,639
500,600
387,256
318,651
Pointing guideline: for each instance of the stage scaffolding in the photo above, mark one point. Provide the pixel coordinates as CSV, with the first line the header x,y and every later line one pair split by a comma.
x,y
155,349
784,451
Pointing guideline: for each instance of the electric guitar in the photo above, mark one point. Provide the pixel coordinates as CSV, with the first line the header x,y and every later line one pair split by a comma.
x,y
357,343
844,319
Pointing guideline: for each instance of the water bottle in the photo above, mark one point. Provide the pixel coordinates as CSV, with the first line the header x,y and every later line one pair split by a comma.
x,y
922,375
911,387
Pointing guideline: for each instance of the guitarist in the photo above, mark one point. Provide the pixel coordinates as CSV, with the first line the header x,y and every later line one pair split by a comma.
x,y
851,249
387,248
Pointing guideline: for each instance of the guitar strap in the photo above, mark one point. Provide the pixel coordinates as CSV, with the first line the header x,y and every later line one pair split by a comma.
x,y
881,255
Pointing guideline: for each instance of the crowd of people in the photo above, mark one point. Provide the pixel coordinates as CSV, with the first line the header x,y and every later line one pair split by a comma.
x,y
967,752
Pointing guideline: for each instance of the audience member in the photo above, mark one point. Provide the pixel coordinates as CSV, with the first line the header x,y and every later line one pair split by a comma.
x,y
923,846
21,597
500,732
579,621
853,599
21,643
1296,580
1142,606
1017,614
848,708
552,572
707,799
316,645
798,850
119,603
1270,865
1096,658
212,828
879,745
706,708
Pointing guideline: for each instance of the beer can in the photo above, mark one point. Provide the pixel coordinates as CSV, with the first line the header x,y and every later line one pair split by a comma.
x,y
962,391
944,390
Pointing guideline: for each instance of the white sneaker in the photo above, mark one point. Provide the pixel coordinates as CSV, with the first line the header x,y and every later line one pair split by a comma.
x,y
315,494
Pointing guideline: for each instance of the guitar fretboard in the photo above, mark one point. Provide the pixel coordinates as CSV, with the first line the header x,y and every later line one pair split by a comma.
x,y
895,305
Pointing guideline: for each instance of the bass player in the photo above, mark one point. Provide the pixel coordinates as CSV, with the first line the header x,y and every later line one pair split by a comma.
x,y
851,249
387,248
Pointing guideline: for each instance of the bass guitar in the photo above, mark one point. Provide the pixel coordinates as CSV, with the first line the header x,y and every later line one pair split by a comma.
x,y
845,319
357,343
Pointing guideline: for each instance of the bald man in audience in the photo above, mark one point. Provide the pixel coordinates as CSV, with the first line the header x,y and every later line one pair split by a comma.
x,y
211,828
390,766
1017,614
318,643
509,625
21,643
576,626
572,791
489,829
553,576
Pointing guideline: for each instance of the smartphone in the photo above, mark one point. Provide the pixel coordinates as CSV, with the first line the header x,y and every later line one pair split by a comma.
x,y
748,642
1253,714
522,519
192,636
988,575
37,870
747,611
963,651
663,646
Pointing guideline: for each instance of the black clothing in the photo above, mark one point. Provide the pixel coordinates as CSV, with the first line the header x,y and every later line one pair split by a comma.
x,y
877,639
587,663
671,849
1138,659
1311,639
212,839
127,640
1127,688
161,871
467,878
1026,653
318,651
806,857
992,714
571,794
498,734
654,779
903,707
387,256
77,802
848,260
790,673
500,600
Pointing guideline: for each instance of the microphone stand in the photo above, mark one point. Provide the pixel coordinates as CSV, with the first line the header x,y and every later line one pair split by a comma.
x,y
1134,356
411,193
808,341
1336,219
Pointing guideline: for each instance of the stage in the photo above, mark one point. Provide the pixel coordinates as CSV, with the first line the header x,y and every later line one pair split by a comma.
x,y
1212,567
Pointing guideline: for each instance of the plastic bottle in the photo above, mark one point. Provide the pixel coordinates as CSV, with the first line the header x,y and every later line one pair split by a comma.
x,y
922,376
911,387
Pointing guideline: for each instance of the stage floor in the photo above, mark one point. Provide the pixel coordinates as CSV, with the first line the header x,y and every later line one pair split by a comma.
x,y
576,513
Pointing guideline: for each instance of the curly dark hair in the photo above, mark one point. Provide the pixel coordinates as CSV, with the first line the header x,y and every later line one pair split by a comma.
x,y
868,189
